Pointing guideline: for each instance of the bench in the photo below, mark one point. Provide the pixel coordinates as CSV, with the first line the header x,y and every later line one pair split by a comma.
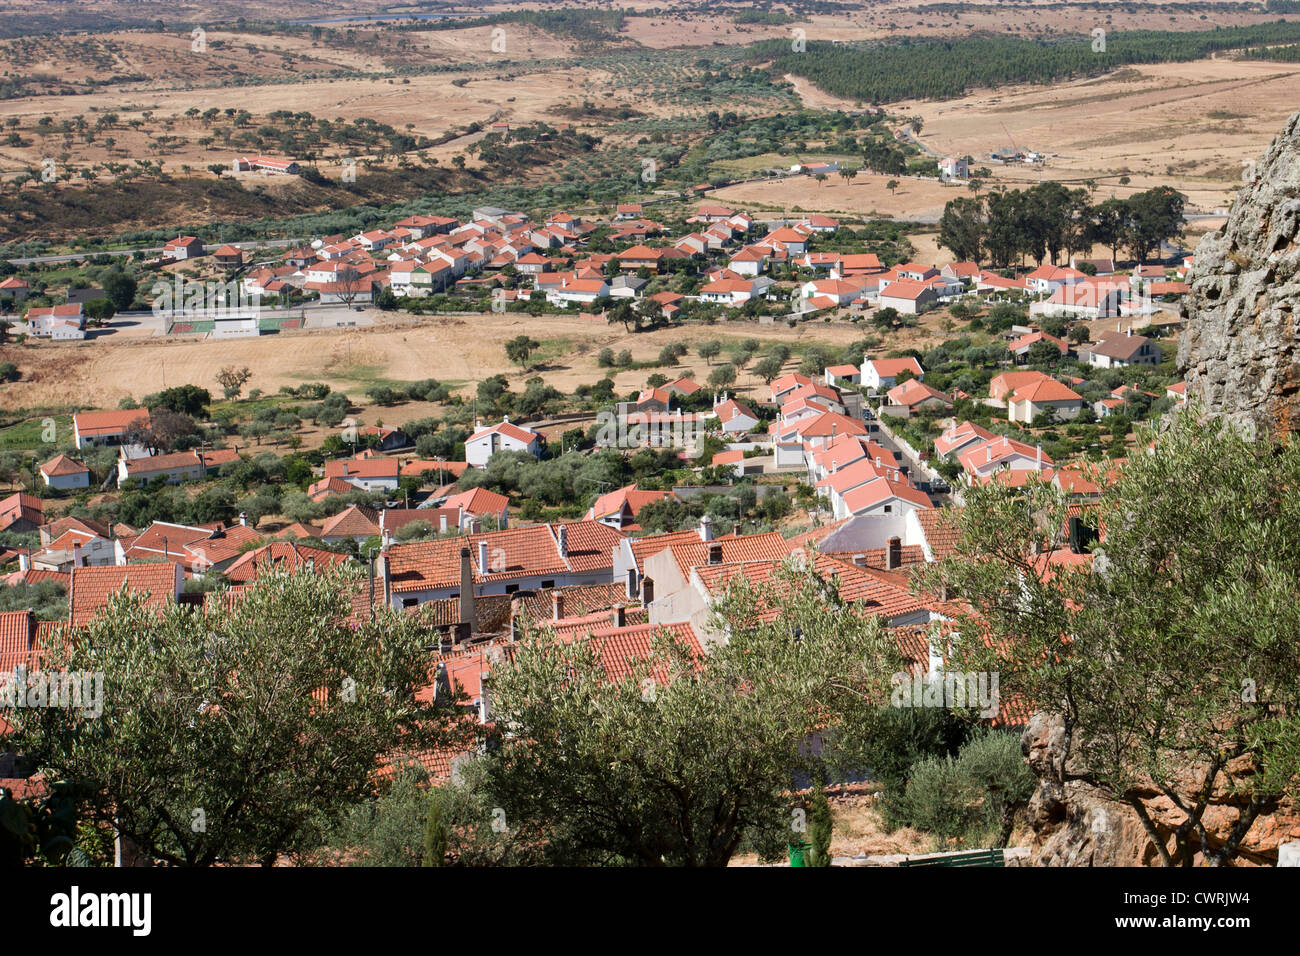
x,y
970,858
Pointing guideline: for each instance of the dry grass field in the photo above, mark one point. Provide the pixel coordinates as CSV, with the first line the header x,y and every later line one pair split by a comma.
x,y
455,349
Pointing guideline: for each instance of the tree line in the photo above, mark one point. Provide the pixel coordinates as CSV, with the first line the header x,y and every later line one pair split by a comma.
x,y
1048,221
943,69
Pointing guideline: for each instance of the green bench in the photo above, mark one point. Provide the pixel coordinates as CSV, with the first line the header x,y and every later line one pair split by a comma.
x,y
972,858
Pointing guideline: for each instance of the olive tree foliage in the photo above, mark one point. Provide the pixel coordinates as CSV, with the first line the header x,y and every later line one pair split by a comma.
x,y
686,758
1172,656
232,733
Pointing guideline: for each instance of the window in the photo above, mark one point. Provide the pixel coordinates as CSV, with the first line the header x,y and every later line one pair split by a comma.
x,y
889,509
410,602
511,588
548,584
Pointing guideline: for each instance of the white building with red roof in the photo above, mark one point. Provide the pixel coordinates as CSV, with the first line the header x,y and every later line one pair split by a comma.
x,y
882,374
503,436
1042,397
182,247
63,473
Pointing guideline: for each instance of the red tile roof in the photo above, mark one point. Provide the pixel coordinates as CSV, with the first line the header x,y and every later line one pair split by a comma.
x,y
110,423
91,588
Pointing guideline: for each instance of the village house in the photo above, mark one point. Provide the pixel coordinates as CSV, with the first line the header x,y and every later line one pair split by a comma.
x,y
503,436
1045,396
57,322
735,417
618,509
914,396
182,247
176,468
960,437
228,257
882,374
64,473
982,460
91,429
908,296
276,166
472,566
368,474
1119,349
13,290
1019,348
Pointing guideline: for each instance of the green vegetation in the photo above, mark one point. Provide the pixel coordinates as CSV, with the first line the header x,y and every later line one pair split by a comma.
x,y
944,69
252,779
1180,670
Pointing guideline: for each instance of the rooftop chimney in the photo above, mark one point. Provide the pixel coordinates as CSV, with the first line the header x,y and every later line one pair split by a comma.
x,y
24,561
894,554
1038,460
385,578
77,561
557,605
387,538
243,519
706,528
715,553
482,557
563,535
618,617
466,587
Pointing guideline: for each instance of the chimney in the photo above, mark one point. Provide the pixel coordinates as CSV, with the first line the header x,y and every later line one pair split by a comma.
x,y
385,578
243,519
630,586
557,605
482,557
988,454
894,554
24,561
466,587
715,553
460,517
387,539
1038,460
647,590
618,617
706,528
76,555
563,536
442,523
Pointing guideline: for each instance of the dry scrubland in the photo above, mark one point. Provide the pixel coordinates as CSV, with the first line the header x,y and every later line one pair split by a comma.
x,y
457,349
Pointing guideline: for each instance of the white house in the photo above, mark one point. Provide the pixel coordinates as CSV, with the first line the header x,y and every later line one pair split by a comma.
x,y
1119,349
1045,395
953,168
882,374
486,442
62,472
736,417
578,292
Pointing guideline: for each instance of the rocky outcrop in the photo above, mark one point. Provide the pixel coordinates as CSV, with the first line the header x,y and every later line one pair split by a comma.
x,y
1239,349
1075,824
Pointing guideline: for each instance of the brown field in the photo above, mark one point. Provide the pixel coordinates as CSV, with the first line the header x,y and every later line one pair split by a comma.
x,y
1191,125
865,195
462,349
